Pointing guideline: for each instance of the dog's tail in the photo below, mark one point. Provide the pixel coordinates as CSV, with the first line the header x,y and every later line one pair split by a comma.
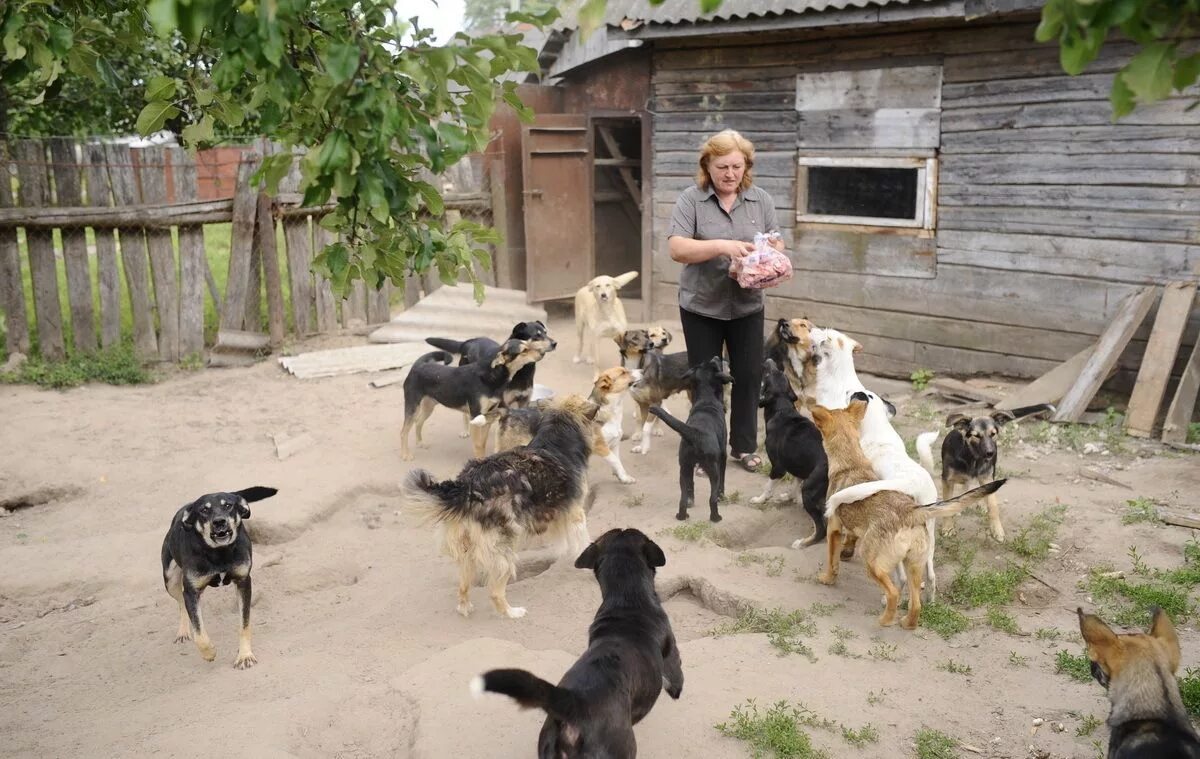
x,y
440,356
690,434
530,691
925,449
948,508
446,344
433,500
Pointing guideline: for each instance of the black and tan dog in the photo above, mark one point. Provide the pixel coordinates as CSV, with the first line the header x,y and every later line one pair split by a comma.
x,y
970,455
702,438
1148,720
663,375
790,346
473,389
632,344
206,547
495,502
482,350
794,447
631,657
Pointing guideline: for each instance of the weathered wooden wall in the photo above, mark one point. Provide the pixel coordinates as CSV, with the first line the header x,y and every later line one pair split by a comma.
x,y
1048,214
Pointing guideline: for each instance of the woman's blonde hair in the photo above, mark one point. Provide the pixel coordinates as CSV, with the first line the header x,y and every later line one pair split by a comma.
x,y
722,144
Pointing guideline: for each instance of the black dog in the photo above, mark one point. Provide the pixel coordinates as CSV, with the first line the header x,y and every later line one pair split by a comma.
x,y
482,350
474,388
794,446
702,438
631,657
206,546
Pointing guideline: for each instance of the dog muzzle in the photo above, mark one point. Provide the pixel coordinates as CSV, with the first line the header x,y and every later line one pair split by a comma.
x,y
222,533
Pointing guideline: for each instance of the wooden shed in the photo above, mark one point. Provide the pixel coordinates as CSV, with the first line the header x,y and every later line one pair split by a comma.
x,y
952,197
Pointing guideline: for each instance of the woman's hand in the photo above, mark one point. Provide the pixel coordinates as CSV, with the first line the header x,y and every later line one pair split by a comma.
x,y
736,249
776,243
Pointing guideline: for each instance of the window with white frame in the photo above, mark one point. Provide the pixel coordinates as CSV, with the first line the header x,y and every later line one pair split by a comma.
x,y
867,191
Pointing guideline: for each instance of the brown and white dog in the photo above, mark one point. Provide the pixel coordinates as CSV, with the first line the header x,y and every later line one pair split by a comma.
x,y
599,313
790,346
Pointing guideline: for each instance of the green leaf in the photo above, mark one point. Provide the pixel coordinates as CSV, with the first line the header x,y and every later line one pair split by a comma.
x,y
1149,74
1075,56
1187,71
591,16
160,88
163,16
708,6
342,62
433,200
274,168
61,39
477,290
1052,21
1121,98
154,115
202,131
13,49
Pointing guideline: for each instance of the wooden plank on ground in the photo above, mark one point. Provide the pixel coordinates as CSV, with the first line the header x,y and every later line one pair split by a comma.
x,y
69,192
12,291
245,207
108,280
1159,357
35,193
326,306
153,173
1051,386
192,261
268,245
133,251
1175,426
957,389
1108,349
1180,520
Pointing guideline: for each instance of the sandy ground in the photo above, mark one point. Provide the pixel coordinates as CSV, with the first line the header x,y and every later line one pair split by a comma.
x,y
361,652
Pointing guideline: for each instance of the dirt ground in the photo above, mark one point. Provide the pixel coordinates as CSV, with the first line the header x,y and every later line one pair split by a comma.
x,y
361,653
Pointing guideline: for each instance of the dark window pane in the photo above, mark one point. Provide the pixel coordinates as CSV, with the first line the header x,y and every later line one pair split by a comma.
x,y
855,191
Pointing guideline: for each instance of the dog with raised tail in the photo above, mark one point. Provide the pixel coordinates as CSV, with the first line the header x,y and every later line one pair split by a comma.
x,y
631,657
599,314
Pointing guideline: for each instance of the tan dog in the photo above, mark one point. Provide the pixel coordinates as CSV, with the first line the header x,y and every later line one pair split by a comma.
x,y
790,346
599,313
890,525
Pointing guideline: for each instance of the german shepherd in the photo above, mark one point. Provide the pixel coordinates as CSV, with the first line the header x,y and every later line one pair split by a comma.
x,y
1147,720
538,489
890,524
631,658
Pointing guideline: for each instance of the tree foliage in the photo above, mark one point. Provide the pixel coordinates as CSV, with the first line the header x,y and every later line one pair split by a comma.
x,y
377,107
1169,58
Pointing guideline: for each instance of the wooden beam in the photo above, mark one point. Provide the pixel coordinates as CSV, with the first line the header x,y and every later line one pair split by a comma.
x,y
1159,358
1114,339
34,191
1051,386
12,293
134,257
245,207
140,215
1175,426
69,189
626,175
193,264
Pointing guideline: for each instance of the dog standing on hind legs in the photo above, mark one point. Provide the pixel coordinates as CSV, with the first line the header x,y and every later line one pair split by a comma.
x,y
206,546
1148,719
702,438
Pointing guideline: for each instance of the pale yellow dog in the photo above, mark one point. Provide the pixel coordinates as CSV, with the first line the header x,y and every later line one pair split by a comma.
x,y
599,313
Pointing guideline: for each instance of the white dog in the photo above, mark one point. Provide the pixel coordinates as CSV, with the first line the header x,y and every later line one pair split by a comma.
x,y
599,313
836,383
609,392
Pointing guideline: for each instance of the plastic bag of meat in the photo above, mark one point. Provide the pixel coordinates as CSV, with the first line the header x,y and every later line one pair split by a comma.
x,y
765,267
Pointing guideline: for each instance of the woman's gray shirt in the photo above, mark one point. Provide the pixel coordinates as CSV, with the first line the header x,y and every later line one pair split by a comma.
x,y
706,288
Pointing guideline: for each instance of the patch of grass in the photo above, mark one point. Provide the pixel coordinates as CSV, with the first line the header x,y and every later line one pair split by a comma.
x,y
1127,604
1193,433
843,633
1033,540
114,366
955,668
1076,667
818,609
860,737
1087,725
883,651
734,497
691,531
1139,510
783,629
1189,690
923,412
943,619
775,731
1001,620
1048,633
920,379
839,648
934,744
1017,660
984,587
633,501
773,564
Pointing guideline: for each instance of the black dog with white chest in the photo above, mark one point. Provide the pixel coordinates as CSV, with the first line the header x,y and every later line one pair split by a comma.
x,y
631,657
794,446
703,436
482,350
206,547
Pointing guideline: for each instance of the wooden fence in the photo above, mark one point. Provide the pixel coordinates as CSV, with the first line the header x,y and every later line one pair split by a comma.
x,y
108,212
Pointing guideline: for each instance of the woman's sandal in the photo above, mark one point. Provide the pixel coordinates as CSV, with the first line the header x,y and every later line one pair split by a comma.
x,y
749,461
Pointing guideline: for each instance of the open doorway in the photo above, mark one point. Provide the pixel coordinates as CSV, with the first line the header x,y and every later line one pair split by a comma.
x,y
617,187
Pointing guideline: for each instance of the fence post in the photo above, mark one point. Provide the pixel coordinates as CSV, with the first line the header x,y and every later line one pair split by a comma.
x,y
109,279
69,193
12,290
35,193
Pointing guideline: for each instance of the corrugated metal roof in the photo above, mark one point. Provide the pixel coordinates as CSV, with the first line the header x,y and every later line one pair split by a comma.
x,y
624,12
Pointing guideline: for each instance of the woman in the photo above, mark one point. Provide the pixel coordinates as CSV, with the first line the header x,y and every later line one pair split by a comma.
x,y
713,223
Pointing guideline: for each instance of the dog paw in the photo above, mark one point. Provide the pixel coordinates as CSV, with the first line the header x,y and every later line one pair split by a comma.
x,y
887,620
465,609
714,518
245,662
627,480
515,612
997,535
208,652
464,434
183,637
658,432
635,436
479,420
406,457
681,516
577,360
640,449
826,579
908,623
757,499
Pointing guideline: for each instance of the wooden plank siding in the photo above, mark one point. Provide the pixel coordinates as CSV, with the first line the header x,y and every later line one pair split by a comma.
x,y
1048,213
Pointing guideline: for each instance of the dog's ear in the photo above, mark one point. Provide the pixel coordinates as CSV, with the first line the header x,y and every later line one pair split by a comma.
x,y
670,337
855,346
619,339
1002,418
960,422
590,555
653,554
857,410
891,407
604,383
1163,631
189,515
256,493
1098,636
243,510
821,415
